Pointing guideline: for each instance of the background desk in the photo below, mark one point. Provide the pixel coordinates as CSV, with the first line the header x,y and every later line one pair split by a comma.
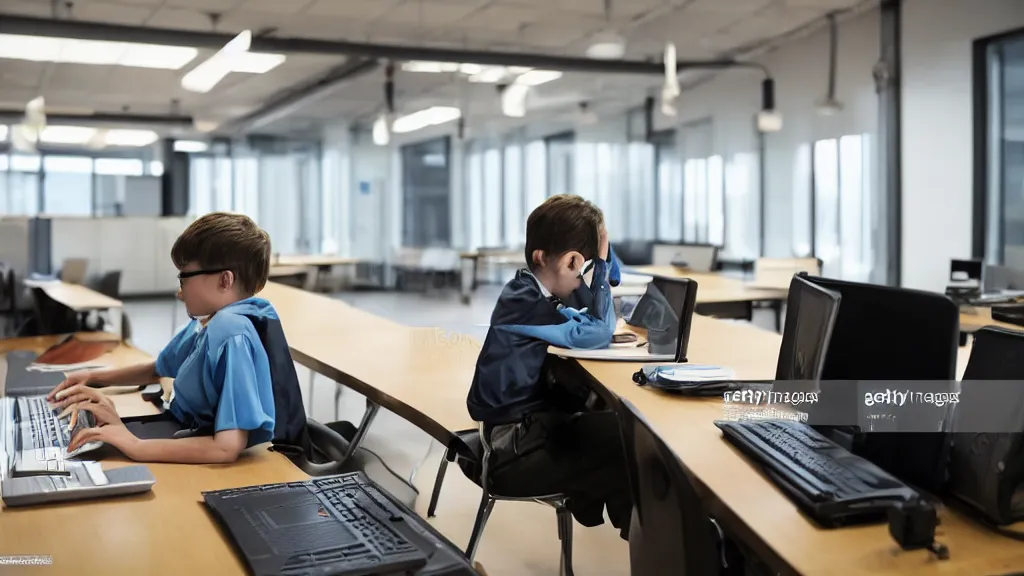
x,y
167,531
750,505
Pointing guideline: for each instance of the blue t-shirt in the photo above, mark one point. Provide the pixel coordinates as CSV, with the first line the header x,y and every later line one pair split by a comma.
x,y
221,372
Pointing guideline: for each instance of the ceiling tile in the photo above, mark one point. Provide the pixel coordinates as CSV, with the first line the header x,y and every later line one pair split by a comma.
x,y
275,6
430,13
502,17
559,32
206,5
113,13
37,8
180,18
358,9
729,6
132,2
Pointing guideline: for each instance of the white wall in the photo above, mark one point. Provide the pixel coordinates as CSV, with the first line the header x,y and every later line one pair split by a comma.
x,y
937,127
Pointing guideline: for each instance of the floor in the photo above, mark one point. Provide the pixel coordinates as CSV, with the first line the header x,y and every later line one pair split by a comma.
x,y
521,538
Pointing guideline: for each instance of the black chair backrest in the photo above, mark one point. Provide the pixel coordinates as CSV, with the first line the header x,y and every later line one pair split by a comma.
x,y
634,252
997,354
671,532
110,284
290,416
893,334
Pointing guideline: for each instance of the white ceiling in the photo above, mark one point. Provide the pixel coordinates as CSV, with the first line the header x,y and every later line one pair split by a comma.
x,y
701,29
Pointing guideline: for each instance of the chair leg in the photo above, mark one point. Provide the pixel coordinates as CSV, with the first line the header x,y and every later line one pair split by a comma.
x,y
565,536
441,468
482,514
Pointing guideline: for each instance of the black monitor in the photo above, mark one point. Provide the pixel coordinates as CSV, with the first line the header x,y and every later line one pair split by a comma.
x,y
681,294
966,271
892,334
810,318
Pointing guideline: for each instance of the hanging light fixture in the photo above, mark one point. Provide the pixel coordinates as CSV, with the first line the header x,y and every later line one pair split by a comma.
x,y
768,119
671,90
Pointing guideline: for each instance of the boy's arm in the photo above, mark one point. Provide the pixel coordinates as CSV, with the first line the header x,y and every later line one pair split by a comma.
x,y
221,448
590,330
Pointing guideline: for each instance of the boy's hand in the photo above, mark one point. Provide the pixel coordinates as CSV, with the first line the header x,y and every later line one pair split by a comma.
x,y
603,251
110,431
82,393
80,378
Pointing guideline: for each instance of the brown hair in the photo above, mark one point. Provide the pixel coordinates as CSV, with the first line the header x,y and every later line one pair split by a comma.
x,y
230,241
563,223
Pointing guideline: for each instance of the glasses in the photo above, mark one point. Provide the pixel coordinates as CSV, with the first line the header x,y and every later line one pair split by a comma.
x,y
182,276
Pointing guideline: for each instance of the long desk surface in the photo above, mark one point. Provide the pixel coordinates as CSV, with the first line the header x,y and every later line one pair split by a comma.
x,y
167,531
75,296
714,288
420,374
312,260
686,425
349,345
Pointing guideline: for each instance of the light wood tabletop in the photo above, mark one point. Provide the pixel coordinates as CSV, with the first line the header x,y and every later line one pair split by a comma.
x,y
714,288
686,425
312,260
76,297
278,271
167,531
420,374
974,318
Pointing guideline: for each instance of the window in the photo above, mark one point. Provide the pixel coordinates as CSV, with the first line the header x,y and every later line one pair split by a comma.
x,y
742,208
999,188
536,179
426,189
669,188
492,198
716,201
67,185
835,204
560,149
475,199
641,200
515,220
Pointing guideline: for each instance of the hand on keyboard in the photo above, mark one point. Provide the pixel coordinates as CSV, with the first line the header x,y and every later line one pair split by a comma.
x,y
81,393
80,378
108,429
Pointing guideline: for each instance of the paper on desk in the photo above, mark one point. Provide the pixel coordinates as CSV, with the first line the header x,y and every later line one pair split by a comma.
x,y
63,367
691,373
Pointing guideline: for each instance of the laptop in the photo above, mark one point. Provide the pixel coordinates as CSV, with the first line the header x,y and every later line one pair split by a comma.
x,y
666,312
343,525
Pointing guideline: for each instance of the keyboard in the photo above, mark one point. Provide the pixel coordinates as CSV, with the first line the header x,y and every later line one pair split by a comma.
x,y
43,438
827,482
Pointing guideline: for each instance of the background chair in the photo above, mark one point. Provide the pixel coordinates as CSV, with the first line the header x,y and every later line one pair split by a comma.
x,y
671,531
73,270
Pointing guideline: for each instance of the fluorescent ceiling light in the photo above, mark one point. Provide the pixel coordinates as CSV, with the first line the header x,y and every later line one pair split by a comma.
x,y
233,57
189,146
130,138
430,67
429,117
769,121
381,134
67,135
97,52
490,75
156,168
538,77
607,46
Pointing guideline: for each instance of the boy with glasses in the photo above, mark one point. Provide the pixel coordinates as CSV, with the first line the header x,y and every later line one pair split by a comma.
x,y
223,393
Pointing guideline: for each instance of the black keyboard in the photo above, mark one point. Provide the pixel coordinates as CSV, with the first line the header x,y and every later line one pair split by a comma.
x,y
825,480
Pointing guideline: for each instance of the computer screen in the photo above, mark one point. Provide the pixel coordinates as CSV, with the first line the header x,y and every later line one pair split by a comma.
x,y
964,270
681,295
810,317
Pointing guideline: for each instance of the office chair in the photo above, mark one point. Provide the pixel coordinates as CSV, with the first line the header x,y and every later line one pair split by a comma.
x,y
73,270
475,461
893,334
110,284
986,464
671,531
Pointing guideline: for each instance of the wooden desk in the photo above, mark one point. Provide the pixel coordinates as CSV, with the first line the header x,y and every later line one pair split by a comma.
x,y
973,319
420,374
75,296
714,288
317,260
278,271
742,496
165,532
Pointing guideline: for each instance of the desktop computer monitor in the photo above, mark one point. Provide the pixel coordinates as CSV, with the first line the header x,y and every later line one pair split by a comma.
x,y
810,318
891,334
966,272
681,295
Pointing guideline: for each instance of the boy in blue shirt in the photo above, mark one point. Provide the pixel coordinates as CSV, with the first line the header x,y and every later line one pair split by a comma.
x,y
543,439
223,393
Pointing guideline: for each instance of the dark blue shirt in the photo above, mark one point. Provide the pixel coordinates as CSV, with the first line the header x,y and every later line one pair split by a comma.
x,y
508,382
